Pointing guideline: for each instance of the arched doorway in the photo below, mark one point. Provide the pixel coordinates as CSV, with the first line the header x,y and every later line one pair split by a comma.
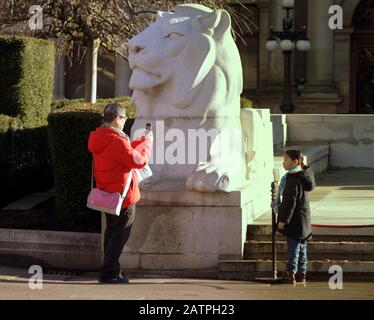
x,y
362,58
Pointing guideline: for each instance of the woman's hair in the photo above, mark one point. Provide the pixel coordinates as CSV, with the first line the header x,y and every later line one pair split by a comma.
x,y
113,110
296,155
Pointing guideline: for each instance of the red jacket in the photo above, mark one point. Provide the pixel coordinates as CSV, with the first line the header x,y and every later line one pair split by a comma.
x,y
113,157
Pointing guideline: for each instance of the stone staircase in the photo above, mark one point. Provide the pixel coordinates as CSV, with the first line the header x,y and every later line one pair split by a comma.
x,y
350,248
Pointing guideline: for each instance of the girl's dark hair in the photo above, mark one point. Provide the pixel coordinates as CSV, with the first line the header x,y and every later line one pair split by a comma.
x,y
112,110
296,155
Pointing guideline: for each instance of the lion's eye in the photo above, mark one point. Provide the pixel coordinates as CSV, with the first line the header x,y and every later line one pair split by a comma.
x,y
174,35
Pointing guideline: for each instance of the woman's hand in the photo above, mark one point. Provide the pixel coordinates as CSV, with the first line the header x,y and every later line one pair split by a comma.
x,y
149,136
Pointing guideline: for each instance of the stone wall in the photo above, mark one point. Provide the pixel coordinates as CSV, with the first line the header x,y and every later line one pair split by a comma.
x,y
350,137
279,131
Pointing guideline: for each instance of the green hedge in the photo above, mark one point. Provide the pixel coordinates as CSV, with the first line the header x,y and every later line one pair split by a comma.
x,y
26,90
69,128
58,104
27,66
25,164
125,101
245,102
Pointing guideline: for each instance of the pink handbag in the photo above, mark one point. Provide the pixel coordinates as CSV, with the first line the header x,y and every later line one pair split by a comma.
x,y
105,201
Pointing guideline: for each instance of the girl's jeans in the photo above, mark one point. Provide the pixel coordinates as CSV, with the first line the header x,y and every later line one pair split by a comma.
x,y
297,255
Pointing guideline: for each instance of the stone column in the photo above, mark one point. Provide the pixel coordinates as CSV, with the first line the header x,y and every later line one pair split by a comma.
x,y
276,58
342,66
122,77
263,64
59,79
300,58
321,55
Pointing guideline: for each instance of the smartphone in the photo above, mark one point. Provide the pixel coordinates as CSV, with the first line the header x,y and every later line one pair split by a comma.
x,y
148,127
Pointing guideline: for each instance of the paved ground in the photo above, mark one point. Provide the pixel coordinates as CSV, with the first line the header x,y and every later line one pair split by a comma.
x,y
344,197
14,284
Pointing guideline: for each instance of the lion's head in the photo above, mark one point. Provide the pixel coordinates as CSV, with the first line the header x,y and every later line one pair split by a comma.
x,y
188,57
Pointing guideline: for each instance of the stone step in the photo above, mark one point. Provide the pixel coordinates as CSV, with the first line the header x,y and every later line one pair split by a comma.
x,y
317,269
50,249
262,232
363,251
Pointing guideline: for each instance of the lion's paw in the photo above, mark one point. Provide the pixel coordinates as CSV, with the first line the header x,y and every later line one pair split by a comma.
x,y
208,177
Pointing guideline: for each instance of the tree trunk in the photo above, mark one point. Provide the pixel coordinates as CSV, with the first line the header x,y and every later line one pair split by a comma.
x,y
91,70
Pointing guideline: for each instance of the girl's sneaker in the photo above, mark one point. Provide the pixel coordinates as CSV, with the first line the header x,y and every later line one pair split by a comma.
x,y
289,277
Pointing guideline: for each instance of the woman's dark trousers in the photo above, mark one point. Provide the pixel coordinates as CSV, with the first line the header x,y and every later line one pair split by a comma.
x,y
117,233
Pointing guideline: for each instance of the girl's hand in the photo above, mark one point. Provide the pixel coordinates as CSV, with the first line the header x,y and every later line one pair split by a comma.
x,y
281,225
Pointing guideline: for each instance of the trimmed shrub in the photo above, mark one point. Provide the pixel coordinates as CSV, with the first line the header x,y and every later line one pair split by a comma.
x,y
125,101
245,103
26,90
8,123
27,69
69,128
25,159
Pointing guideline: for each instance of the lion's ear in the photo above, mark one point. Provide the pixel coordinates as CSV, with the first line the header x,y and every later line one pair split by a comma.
x,y
162,14
216,23
159,15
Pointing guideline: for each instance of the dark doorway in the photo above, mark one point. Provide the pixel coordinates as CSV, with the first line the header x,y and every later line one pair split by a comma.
x,y
362,59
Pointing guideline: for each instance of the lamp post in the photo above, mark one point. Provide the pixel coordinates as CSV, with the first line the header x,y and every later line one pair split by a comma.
x,y
287,40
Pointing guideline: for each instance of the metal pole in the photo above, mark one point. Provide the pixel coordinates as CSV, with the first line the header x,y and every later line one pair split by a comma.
x,y
274,278
287,104
274,230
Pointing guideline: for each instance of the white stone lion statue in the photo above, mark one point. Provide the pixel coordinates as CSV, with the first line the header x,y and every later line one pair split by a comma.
x,y
187,80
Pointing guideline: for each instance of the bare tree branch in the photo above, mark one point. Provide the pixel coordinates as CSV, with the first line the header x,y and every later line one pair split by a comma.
x,y
114,22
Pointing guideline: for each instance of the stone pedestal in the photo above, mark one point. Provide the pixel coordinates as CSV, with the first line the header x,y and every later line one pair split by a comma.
x,y
185,232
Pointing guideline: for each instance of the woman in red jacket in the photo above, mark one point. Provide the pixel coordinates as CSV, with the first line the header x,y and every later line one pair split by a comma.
x,y
113,157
